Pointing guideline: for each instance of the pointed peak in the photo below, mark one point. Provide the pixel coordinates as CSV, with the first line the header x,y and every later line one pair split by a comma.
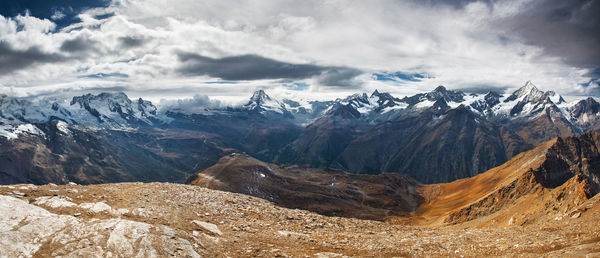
x,y
260,93
530,90
528,87
259,96
381,95
440,88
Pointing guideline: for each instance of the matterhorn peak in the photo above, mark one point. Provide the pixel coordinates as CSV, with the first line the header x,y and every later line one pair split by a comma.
x,y
261,102
259,97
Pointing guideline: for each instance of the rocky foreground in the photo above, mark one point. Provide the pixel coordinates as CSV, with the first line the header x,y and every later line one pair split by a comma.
x,y
158,219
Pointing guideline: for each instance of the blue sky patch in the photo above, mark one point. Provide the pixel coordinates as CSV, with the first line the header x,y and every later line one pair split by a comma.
x,y
61,12
298,86
221,82
399,76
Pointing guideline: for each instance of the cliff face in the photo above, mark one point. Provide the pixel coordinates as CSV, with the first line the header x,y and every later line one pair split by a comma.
x,y
569,157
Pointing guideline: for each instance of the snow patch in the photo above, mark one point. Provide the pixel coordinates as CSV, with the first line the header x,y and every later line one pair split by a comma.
x,y
13,131
63,127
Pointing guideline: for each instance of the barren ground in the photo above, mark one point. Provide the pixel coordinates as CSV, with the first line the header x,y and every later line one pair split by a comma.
x,y
160,219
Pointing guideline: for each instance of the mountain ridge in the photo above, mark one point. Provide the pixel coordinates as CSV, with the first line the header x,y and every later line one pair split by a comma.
x,y
324,134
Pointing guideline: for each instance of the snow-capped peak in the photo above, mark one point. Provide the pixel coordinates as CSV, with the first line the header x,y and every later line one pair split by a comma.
x,y
528,93
112,108
260,97
262,103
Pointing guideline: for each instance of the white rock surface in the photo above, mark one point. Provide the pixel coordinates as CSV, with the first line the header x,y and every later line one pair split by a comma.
x,y
26,229
54,202
96,207
206,226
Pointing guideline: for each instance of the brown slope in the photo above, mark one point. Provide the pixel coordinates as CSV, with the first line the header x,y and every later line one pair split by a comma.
x,y
325,191
539,185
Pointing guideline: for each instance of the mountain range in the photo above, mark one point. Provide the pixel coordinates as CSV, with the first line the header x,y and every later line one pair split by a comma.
x,y
434,137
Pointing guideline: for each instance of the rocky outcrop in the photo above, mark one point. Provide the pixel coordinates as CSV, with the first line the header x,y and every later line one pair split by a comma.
x,y
27,230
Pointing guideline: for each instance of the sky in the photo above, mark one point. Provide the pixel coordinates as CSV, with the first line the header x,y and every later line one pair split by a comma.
x,y
226,49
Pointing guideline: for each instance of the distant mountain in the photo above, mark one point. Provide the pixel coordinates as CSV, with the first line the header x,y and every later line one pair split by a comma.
x,y
435,136
435,146
60,153
114,108
105,109
261,103
586,114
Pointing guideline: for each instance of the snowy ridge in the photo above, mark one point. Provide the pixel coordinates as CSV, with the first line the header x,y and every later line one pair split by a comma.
x,y
116,110
14,131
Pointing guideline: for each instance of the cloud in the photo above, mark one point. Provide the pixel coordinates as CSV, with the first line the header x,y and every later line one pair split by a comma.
x,y
197,104
58,15
12,59
253,67
567,29
78,45
296,86
132,42
172,48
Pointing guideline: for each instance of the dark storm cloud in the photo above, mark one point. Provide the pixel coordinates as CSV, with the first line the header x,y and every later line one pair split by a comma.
x,y
78,45
13,59
344,77
131,42
566,29
452,3
253,67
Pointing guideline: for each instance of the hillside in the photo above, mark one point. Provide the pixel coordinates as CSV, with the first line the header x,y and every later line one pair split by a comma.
x,y
545,183
325,191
